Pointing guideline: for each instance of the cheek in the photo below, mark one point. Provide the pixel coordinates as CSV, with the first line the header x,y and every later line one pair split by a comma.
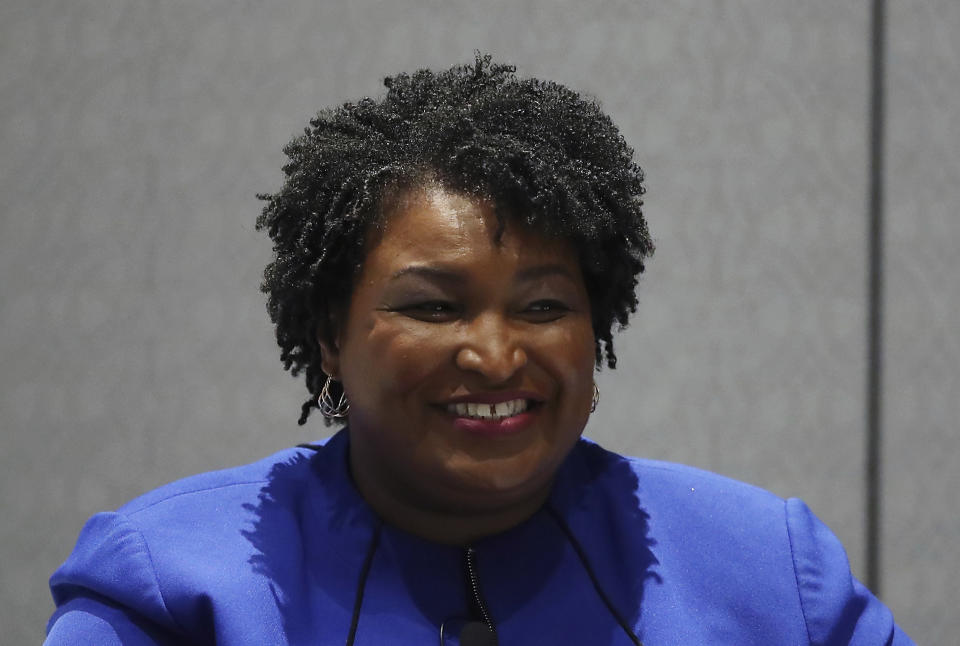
x,y
395,357
573,346
570,352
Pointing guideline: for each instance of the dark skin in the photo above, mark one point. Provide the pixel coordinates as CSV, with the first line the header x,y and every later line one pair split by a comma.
x,y
442,314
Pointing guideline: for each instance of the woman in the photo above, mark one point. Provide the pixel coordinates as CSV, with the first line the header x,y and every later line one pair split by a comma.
x,y
450,262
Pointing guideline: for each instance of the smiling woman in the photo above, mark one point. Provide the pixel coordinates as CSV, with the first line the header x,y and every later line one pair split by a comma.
x,y
450,261
468,361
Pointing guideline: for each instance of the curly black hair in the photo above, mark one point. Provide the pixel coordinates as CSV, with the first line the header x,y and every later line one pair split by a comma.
x,y
545,155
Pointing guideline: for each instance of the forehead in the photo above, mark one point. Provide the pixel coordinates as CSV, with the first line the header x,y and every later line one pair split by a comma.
x,y
434,224
422,215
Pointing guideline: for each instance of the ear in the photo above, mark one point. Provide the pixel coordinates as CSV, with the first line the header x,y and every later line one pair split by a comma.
x,y
329,341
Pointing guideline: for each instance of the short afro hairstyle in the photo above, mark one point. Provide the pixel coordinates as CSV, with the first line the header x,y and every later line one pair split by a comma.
x,y
546,157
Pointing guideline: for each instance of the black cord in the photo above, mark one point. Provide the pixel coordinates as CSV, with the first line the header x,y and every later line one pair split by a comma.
x,y
362,584
593,577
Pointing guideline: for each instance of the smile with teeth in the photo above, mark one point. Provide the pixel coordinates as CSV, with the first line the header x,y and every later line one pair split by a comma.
x,y
497,411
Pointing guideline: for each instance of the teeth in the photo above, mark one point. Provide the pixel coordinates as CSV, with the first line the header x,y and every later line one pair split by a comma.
x,y
489,411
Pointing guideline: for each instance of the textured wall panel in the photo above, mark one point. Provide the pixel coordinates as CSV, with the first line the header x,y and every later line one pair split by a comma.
x,y
922,374
747,355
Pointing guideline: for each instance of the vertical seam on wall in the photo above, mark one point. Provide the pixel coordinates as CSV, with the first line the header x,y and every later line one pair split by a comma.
x,y
875,295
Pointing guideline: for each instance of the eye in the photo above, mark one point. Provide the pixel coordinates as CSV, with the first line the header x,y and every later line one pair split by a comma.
x,y
545,310
431,311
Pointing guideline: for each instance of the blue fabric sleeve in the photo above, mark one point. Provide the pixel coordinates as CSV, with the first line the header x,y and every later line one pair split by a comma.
x,y
838,609
107,591
89,620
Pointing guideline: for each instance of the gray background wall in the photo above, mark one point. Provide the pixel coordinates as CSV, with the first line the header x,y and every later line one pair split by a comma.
x,y
134,344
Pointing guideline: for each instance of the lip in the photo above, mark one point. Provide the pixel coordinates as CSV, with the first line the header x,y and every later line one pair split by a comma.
x,y
494,427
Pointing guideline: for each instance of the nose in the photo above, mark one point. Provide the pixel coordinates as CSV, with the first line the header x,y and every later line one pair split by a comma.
x,y
491,348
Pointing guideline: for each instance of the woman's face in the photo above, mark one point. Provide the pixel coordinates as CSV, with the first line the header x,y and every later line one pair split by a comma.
x,y
468,362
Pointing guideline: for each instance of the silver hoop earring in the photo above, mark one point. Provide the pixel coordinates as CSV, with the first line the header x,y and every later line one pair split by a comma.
x,y
596,398
328,407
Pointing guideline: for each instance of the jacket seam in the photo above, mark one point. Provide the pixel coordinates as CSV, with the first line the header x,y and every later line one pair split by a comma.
x,y
191,492
796,574
153,570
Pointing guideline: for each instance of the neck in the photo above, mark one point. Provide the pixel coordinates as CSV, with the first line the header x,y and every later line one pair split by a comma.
x,y
446,522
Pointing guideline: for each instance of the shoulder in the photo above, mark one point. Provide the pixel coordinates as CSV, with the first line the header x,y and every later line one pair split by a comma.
x,y
670,488
158,556
704,494
715,539
221,518
214,486
696,516
692,518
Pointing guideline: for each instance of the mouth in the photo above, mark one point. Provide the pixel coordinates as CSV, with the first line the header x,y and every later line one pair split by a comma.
x,y
494,413
490,412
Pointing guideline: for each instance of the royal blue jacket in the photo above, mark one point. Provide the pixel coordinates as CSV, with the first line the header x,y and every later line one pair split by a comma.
x,y
626,551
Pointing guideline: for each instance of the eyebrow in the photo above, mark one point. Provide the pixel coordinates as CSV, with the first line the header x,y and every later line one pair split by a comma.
x,y
431,272
441,274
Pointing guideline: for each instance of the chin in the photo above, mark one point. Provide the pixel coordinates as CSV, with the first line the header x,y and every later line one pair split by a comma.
x,y
494,479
